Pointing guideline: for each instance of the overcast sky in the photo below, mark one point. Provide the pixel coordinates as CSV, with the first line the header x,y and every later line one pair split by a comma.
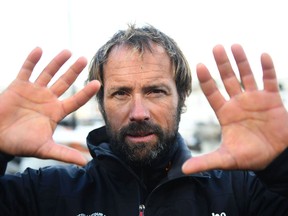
x,y
83,26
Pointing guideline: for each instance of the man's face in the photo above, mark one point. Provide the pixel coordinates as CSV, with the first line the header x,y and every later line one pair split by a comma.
x,y
140,103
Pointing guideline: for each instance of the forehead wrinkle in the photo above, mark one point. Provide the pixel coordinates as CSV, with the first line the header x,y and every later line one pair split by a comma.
x,y
121,55
155,72
140,81
145,81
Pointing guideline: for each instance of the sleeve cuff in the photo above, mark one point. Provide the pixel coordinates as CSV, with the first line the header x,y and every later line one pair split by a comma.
x,y
275,175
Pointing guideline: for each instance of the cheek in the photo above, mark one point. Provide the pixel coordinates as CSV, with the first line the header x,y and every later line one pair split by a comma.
x,y
165,113
115,115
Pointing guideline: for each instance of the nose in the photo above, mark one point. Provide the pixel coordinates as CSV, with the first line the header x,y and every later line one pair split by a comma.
x,y
139,110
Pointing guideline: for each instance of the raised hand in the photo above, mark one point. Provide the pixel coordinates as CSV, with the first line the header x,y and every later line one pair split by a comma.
x,y
29,112
254,122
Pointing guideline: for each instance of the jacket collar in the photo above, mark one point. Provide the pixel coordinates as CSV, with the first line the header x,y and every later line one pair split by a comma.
x,y
98,145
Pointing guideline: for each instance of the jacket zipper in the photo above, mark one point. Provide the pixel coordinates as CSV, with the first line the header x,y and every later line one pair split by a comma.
x,y
141,210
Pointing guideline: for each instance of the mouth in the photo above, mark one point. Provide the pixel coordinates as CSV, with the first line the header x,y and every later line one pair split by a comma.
x,y
141,137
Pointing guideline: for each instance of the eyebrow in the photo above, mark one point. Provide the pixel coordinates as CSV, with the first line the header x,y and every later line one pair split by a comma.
x,y
146,88
120,88
151,87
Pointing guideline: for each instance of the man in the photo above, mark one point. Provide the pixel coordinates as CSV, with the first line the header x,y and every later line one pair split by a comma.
x,y
140,162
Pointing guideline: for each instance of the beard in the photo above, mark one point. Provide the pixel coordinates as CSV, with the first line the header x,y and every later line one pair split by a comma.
x,y
142,153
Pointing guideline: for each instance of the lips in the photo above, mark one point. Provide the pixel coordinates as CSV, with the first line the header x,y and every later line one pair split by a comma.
x,y
140,134
141,137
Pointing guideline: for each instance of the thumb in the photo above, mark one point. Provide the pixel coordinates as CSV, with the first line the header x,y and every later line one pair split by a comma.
x,y
66,154
204,162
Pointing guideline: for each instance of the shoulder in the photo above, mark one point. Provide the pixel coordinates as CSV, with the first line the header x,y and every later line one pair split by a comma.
x,y
56,173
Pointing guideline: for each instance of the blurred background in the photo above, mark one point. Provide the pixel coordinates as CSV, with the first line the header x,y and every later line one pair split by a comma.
x,y
196,25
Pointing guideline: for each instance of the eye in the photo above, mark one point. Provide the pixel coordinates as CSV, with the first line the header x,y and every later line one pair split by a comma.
x,y
157,92
121,94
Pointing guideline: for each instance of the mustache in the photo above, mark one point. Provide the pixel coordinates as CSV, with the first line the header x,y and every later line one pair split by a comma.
x,y
140,129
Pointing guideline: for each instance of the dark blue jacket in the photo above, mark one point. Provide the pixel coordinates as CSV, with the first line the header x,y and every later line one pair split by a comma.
x,y
108,187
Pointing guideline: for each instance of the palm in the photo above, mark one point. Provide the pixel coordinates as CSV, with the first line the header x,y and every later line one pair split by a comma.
x,y
254,122
40,113
247,124
32,110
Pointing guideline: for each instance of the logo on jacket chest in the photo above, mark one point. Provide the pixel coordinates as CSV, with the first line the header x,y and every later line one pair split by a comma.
x,y
93,214
219,214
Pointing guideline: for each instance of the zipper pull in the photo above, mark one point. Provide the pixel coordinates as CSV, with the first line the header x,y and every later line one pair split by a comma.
x,y
141,210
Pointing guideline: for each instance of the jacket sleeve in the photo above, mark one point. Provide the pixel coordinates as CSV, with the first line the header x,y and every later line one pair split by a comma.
x,y
4,159
18,195
275,176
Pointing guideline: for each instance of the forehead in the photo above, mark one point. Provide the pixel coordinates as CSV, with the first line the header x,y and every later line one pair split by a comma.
x,y
126,61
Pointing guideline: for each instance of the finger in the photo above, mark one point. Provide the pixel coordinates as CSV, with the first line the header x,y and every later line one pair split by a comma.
x,y
51,69
66,80
65,154
213,160
246,75
269,74
76,101
227,74
29,64
209,88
